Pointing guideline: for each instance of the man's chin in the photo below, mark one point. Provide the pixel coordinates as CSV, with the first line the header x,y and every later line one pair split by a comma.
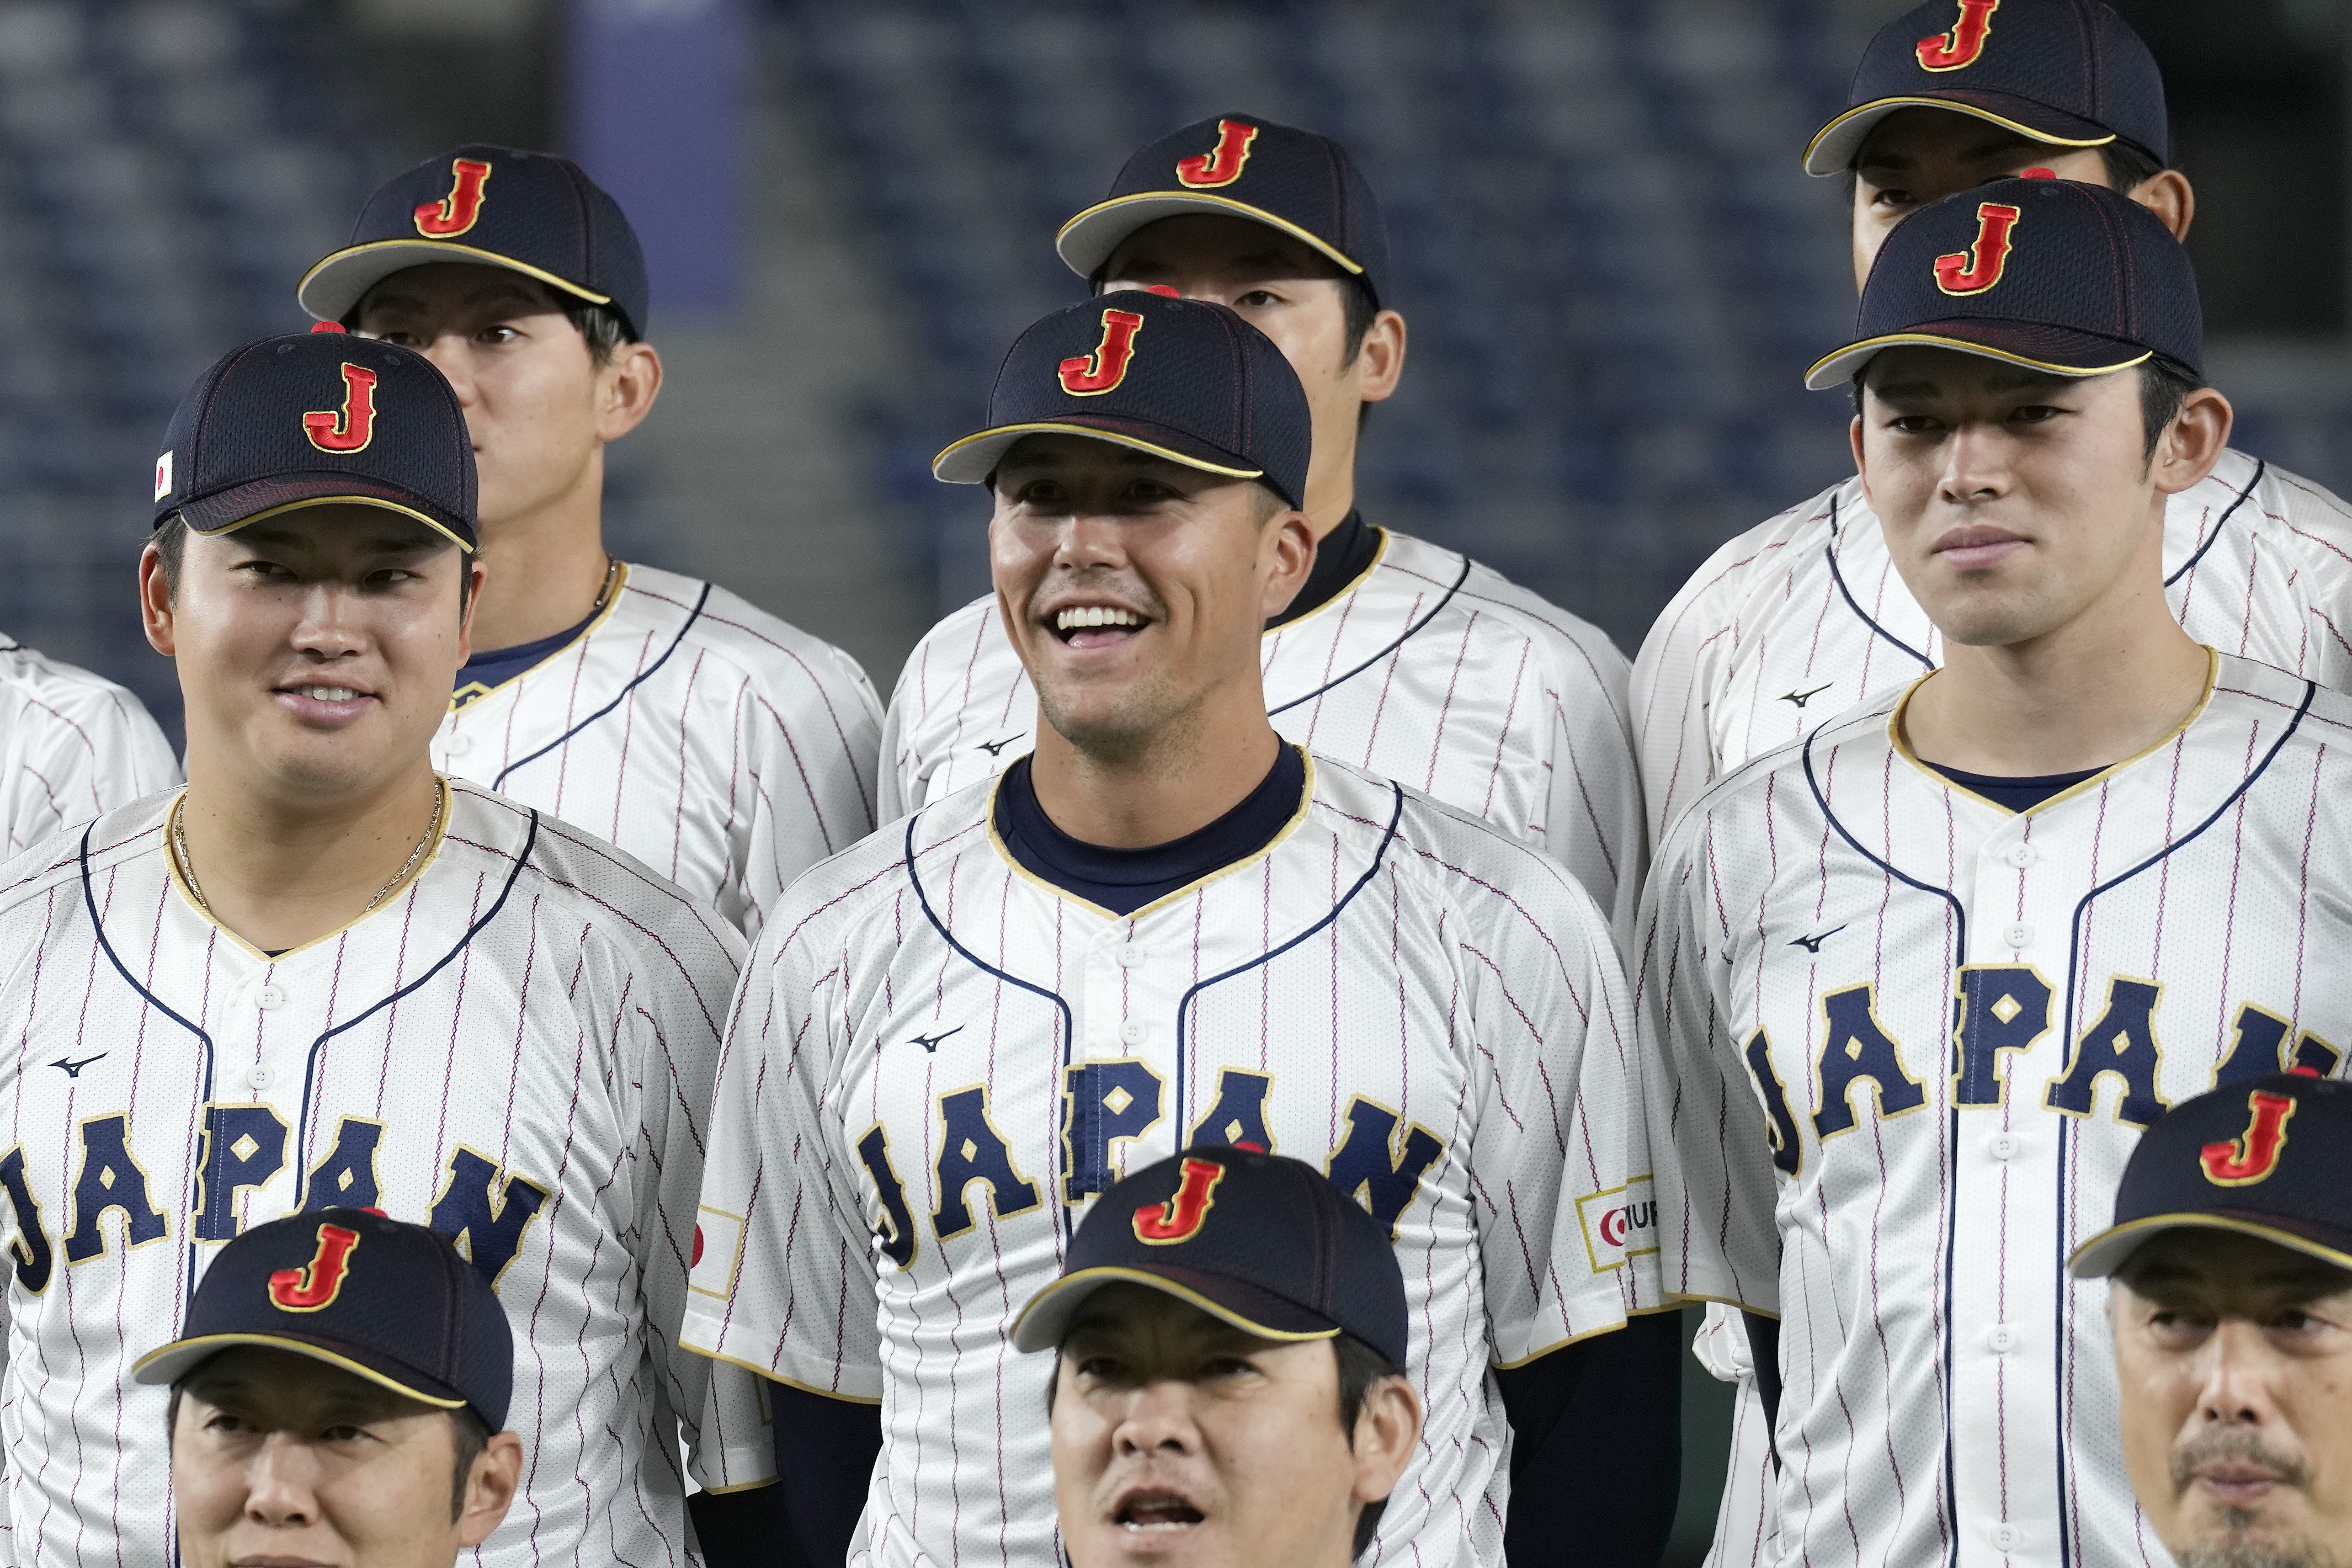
x,y
2242,1538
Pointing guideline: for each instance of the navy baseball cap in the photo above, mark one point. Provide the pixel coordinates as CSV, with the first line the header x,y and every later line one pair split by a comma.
x,y
381,1299
2070,73
313,419
1244,167
2054,275
1180,379
1263,1242
532,213
2264,1156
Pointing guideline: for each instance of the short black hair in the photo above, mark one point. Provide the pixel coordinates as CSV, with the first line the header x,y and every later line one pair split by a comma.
x,y
1360,1368
469,1435
2164,386
171,543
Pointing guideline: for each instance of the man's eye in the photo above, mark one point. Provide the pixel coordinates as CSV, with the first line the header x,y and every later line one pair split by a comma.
x,y
1232,1367
346,1432
407,340
1256,298
498,335
1102,1368
1039,495
2036,413
1912,424
222,1421
1891,196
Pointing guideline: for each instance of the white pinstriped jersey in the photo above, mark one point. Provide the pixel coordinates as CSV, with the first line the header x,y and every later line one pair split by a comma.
x,y
1901,1040
1429,669
516,1048
726,749
1804,616
71,746
936,1061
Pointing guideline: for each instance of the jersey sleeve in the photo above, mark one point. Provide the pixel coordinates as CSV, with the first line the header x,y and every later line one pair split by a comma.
x,y
1559,1146
787,1285
901,786
1593,820
1668,699
811,745
1717,1189
79,753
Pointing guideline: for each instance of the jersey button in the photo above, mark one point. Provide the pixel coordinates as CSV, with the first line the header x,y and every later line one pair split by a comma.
x,y
270,996
2001,1339
259,1077
2019,936
2007,1538
2021,856
1131,1032
1131,957
2005,1145
459,745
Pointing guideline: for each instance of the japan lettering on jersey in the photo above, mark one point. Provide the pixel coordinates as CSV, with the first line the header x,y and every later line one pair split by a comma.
x,y
516,1049
1803,617
1901,1042
723,747
1430,670
71,746
937,1062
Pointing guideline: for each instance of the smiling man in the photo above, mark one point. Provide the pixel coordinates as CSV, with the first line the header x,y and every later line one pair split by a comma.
x,y
1393,655
1912,987
1167,927
323,975
339,1395
2232,1260
1216,1311
723,747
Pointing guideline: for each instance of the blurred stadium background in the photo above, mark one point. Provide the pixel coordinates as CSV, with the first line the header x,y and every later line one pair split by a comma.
x,y
1612,268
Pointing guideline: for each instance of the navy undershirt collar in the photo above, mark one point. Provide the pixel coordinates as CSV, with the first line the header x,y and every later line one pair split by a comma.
x,y
2017,794
492,670
1124,880
1341,556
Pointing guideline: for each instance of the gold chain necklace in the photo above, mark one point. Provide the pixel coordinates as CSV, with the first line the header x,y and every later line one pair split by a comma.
x,y
188,867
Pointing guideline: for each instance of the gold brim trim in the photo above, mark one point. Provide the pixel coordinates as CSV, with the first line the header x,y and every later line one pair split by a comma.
x,y
1048,427
457,252
1113,1275
1877,104
2195,1221
1894,339
223,1340
441,529
1207,202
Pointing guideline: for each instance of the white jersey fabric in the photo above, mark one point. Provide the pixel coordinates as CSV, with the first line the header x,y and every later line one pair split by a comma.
x,y
516,1049
1429,669
72,745
1900,1041
726,749
937,1062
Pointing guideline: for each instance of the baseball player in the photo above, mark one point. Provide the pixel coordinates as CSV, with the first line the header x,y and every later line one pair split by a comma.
x,y
721,746
338,1394
1215,1310
324,976
71,745
1396,656
2232,1260
1168,926
1804,615
1912,986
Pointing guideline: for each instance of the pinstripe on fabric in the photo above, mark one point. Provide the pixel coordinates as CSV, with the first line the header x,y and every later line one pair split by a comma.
x,y
71,746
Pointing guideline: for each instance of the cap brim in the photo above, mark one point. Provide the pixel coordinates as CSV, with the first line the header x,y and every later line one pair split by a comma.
x,y
1046,1319
2054,350
224,511
2106,1253
329,289
1834,145
1086,241
973,459
179,1358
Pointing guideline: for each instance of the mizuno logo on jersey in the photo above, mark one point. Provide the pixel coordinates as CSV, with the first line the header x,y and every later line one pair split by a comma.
x,y
2003,1010
1799,700
1980,267
71,1068
1961,46
2255,1154
1091,375
454,214
1222,164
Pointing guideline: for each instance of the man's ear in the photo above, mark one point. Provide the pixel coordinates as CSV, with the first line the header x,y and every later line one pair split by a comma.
x,y
1291,540
1388,1434
155,602
1861,464
1379,358
2192,443
625,389
478,572
2169,196
490,1488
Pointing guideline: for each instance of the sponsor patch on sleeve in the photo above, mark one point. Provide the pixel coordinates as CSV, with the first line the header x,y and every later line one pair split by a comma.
x,y
1620,1223
717,1252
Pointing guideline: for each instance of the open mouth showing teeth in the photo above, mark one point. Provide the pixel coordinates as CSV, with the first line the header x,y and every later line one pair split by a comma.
x,y
1096,625
1158,1510
327,694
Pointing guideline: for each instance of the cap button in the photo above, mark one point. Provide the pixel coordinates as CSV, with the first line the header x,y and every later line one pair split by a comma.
x,y
326,326
2037,173
1163,290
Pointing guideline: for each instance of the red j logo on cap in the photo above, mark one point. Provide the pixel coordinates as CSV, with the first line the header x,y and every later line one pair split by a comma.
x,y
1178,1219
1222,164
1980,267
316,1283
1089,375
2254,1154
455,212
350,427
1961,46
